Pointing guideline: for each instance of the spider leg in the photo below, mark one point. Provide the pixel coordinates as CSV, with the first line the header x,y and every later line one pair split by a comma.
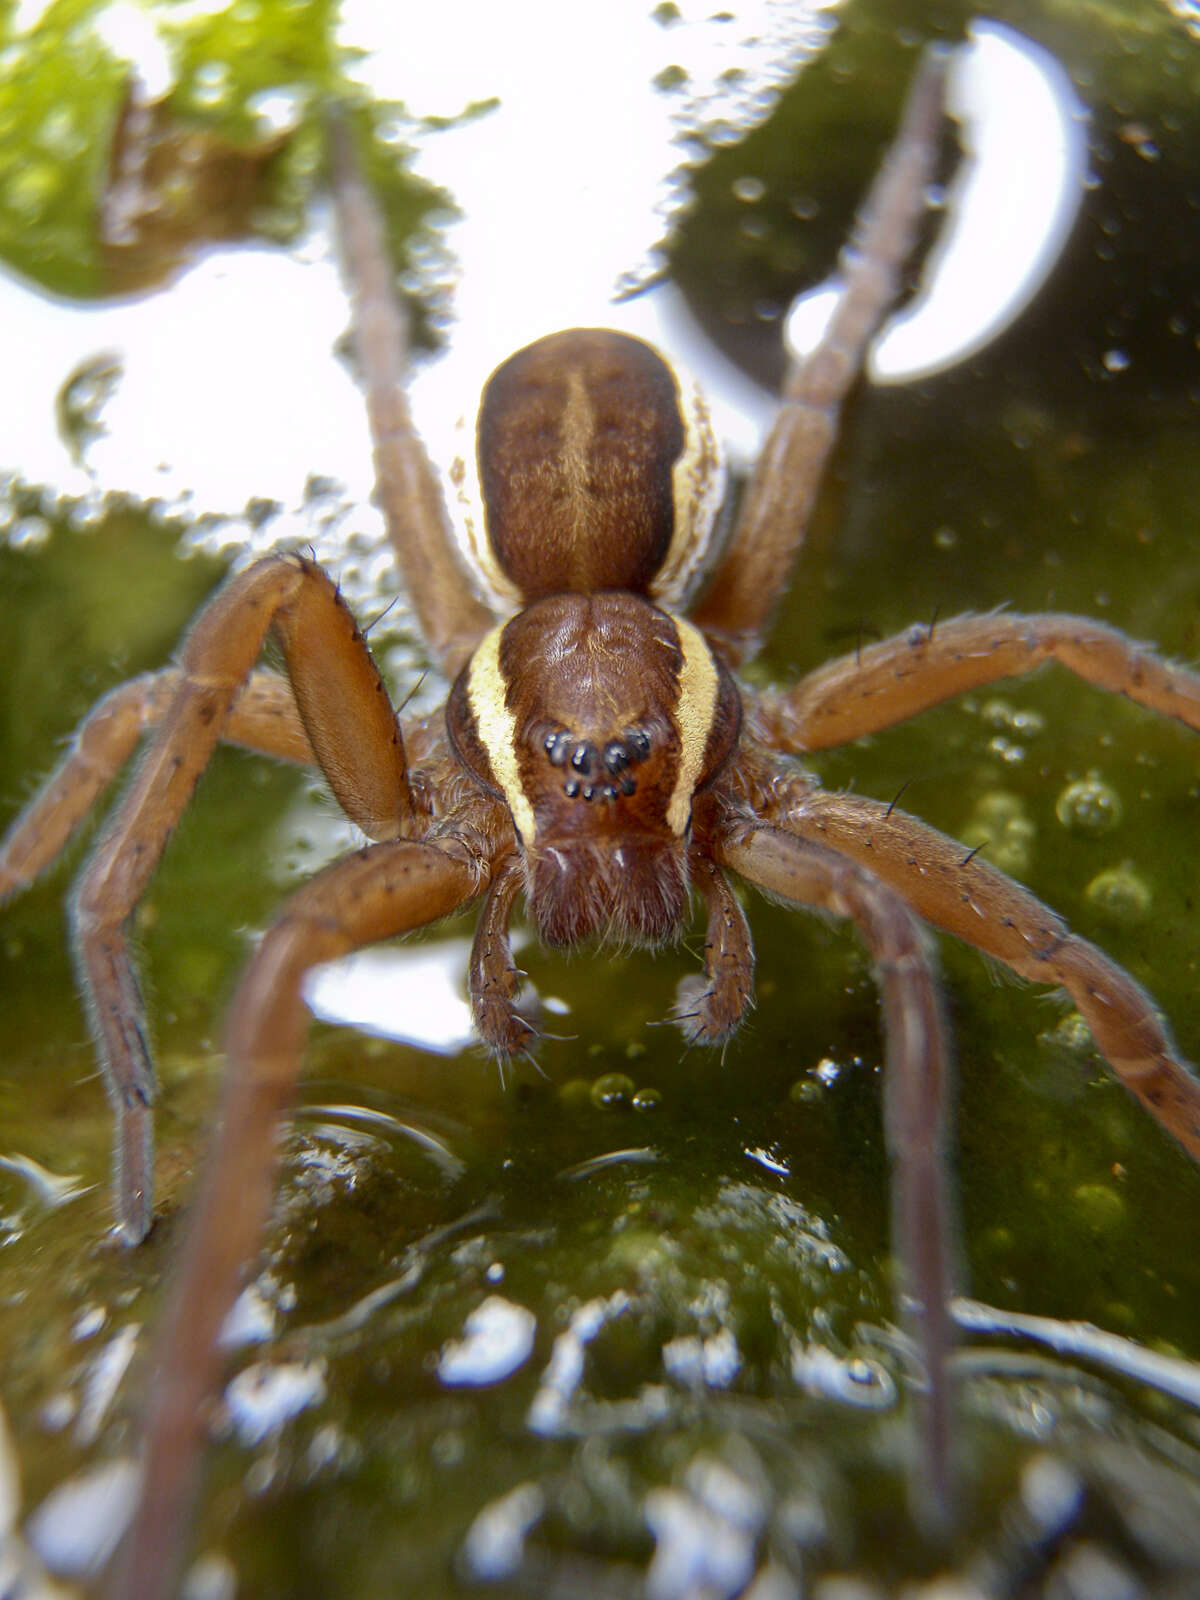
x,y
899,677
753,572
985,908
710,1008
263,718
493,980
352,731
381,891
452,619
916,1085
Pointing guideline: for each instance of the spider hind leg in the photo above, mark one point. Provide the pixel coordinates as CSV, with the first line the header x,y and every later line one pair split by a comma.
x,y
736,607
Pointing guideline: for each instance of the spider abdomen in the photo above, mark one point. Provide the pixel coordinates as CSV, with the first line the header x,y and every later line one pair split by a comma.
x,y
596,468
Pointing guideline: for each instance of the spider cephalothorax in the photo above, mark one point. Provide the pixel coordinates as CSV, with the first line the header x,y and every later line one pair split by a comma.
x,y
596,756
596,717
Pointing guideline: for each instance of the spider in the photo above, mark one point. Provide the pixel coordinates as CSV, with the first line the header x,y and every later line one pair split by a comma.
x,y
598,755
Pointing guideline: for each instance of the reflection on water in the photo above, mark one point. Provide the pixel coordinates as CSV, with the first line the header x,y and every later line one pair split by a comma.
x,y
415,994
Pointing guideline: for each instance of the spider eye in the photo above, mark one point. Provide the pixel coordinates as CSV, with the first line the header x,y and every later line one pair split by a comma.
x,y
586,763
558,747
595,467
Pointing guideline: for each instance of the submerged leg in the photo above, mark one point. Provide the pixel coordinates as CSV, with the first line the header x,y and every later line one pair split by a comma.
x,y
710,1008
493,980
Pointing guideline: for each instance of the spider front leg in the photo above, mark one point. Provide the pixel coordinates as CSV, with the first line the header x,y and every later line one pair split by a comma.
x,y
916,1086
355,737
891,681
970,898
382,891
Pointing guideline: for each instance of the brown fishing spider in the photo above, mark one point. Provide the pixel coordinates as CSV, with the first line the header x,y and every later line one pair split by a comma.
x,y
597,755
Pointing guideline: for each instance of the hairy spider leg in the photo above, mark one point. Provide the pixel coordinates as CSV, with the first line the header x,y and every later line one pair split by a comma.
x,y
736,608
493,980
452,619
896,679
263,718
916,1089
351,729
381,891
709,1009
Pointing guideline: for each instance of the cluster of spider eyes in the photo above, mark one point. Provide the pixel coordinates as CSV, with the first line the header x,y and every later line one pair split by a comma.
x,y
597,774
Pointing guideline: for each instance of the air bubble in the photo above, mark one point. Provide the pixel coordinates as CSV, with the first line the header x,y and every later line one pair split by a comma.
x,y
612,1091
1100,1206
1000,827
1120,893
1089,805
211,84
1070,1038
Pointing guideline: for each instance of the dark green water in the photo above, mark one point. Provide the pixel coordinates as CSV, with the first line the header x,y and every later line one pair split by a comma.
x,y
755,1212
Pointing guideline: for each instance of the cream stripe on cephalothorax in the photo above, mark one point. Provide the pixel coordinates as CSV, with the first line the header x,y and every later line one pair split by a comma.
x,y
487,695
694,712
